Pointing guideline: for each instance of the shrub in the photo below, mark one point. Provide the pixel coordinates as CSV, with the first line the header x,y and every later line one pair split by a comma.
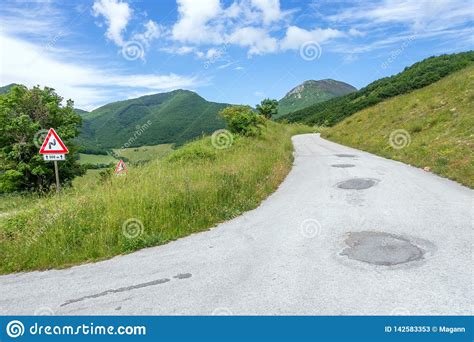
x,y
106,175
268,108
243,120
193,151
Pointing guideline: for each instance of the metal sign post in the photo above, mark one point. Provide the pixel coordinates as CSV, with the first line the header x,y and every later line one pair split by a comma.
x,y
56,172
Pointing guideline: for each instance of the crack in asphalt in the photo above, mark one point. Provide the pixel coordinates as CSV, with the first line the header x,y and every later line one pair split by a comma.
x,y
127,288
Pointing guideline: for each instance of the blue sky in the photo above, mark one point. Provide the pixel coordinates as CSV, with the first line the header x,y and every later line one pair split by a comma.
x,y
234,51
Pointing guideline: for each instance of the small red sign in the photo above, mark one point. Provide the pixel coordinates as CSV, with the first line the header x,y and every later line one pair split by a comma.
x,y
53,144
121,168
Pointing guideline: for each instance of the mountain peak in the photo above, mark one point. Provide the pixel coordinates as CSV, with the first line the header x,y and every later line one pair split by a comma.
x,y
310,92
325,84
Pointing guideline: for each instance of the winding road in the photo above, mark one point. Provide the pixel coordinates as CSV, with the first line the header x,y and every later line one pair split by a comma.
x,y
346,233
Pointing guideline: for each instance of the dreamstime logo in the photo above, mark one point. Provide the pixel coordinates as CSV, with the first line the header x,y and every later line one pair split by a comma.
x,y
310,51
39,137
15,329
216,55
139,130
394,54
133,50
310,228
44,311
222,139
222,312
399,139
132,228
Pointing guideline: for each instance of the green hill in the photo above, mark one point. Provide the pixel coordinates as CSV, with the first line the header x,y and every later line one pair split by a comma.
x,y
438,121
312,92
173,117
414,77
80,111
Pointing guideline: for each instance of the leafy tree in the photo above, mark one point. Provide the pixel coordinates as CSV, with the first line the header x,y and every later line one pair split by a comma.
x,y
23,114
242,120
268,108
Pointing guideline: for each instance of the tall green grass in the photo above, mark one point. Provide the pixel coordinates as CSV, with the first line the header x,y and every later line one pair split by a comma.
x,y
439,120
191,190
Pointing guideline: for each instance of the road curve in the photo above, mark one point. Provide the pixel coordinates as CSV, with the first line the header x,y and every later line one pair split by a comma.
x,y
285,256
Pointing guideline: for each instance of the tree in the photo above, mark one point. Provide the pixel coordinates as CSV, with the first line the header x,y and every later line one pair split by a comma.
x,y
268,108
24,115
242,120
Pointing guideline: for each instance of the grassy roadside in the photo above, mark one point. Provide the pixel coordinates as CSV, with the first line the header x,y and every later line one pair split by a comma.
x,y
194,188
145,153
438,121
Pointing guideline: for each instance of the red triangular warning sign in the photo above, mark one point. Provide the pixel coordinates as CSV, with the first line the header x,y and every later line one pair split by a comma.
x,y
53,144
120,168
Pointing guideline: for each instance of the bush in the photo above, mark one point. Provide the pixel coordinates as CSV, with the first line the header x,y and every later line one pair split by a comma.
x,y
106,175
243,120
268,108
193,151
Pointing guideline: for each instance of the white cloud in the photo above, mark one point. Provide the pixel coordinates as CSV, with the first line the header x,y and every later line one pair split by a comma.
x,y
251,24
89,86
256,39
212,53
270,10
31,21
243,23
181,50
462,36
193,23
226,65
117,14
389,24
418,14
356,33
152,31
296,36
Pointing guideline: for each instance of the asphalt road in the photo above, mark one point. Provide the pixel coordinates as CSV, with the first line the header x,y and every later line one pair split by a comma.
x,y
412,230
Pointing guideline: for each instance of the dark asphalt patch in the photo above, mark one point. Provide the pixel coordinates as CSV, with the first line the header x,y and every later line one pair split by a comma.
x,y
378,248
183,276
357,183
342,165
343,155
